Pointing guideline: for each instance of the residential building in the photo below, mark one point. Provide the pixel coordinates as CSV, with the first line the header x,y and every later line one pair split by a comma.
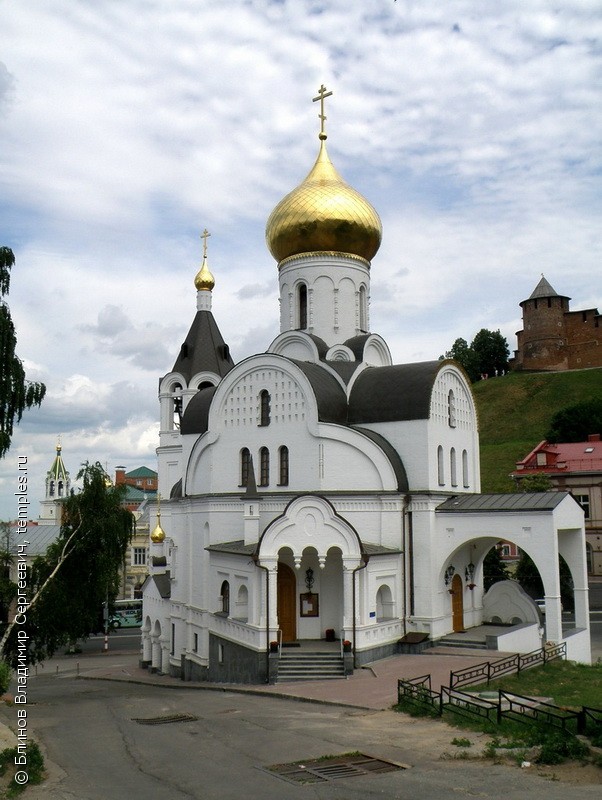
x,y
575,467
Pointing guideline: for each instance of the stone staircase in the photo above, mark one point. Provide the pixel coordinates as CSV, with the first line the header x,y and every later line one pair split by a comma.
x,y
308,666
464,640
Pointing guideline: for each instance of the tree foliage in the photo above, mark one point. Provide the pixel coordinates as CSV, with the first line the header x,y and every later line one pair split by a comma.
x,y
494,568
535,483
575,423
79,571
529,578
487,354
16,393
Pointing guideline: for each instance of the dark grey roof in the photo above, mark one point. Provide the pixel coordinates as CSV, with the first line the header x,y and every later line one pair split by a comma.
x,y
196,416
544,289
163,584
320,344
379,550
204,349
344,369
356,344
392,455
389,394
237,548
518,501
39,537
176,490
329,394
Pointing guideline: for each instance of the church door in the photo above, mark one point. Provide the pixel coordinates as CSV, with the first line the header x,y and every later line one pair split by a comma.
x,y
457,604
287,603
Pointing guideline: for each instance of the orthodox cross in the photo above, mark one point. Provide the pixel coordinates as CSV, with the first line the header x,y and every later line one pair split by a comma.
x,y
204,236
322,94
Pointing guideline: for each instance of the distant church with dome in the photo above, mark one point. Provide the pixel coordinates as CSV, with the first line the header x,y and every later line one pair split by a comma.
x,y
317,493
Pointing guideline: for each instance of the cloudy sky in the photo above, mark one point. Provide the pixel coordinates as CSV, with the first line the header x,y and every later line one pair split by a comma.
x,y
128,126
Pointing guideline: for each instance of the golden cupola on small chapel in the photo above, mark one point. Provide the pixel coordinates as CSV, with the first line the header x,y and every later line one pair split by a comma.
x,y
323,214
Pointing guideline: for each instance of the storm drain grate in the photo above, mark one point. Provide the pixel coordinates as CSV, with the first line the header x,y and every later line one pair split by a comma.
x,y
333,768
165,720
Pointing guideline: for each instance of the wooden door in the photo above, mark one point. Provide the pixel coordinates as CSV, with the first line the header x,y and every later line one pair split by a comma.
x,y
457,604
287,603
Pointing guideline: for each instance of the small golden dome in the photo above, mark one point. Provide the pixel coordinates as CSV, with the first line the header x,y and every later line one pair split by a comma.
x,y
204,280
158,534
323,214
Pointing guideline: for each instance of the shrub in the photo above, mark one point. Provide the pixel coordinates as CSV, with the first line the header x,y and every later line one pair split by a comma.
x,y
5,676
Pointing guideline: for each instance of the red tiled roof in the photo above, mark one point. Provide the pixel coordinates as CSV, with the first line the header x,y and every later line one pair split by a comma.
x,y
562,458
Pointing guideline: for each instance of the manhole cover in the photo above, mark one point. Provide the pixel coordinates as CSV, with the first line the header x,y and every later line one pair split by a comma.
x,y
165,719
333,768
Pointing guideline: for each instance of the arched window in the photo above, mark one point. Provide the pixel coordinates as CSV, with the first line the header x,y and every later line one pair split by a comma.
x,y
302,297
176,399
452,467
465,481
242,604
60,488
363,309
264,467
245,466
51,489
451,408
283,466
384,603
264,407
225,597
440,467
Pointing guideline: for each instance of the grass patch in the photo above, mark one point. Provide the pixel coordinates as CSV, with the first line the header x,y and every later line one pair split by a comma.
x,y
34,769
515,413
568,684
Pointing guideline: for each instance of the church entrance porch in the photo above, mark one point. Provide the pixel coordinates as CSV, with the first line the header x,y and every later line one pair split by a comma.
x,y
310,554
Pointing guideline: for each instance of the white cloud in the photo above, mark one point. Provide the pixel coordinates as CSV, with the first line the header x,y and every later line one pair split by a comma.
x,y
126,128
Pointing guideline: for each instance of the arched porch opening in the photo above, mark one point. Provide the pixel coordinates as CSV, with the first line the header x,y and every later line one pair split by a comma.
x,y
311,543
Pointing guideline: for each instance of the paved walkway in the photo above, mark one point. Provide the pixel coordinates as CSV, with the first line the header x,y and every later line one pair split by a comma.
x,y
373,687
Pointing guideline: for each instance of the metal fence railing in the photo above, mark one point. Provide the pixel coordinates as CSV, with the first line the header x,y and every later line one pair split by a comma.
x,y
418,693
489,670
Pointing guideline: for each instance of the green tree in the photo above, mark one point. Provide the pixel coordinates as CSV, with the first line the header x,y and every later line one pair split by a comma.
x,y
16,393
79,571
491,352
494,568
575,423
535,483
464,355
487,354
8,588
529,578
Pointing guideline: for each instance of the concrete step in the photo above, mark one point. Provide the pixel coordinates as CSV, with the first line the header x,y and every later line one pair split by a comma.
x,y
296,666
469,644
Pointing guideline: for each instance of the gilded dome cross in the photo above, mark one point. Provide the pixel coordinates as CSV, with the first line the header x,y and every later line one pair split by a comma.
x,y
204,236
322,94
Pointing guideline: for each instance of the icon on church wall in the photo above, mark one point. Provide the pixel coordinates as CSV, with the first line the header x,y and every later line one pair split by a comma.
x,y
309,605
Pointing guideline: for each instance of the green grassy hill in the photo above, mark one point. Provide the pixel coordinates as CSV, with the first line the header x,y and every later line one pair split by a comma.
x,y
515,413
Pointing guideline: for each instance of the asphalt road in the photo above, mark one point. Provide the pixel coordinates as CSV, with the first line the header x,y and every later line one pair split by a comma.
x,y
96,750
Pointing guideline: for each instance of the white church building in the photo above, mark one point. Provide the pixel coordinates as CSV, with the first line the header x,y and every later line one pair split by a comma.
x,y
318,491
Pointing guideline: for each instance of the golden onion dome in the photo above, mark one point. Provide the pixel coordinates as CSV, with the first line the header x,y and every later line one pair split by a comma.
x,y
204,280
158,534
323,214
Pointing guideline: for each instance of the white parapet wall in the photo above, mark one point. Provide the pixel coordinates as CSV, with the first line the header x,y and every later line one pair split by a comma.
x,y
518,639
578,646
